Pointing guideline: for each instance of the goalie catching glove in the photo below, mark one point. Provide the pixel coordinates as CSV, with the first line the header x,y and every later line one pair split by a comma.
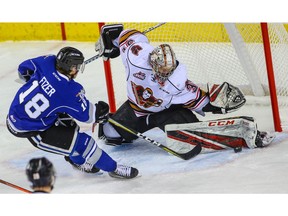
x,y
104,46
224,98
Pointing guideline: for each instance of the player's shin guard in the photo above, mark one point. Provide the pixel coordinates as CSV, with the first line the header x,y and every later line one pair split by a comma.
x,y
106,162
88,154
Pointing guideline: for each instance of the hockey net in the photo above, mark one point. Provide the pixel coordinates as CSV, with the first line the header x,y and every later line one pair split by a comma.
x,y
218,52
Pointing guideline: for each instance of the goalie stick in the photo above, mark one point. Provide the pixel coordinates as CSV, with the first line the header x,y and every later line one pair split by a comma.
x,y
185,156
15,186
144,32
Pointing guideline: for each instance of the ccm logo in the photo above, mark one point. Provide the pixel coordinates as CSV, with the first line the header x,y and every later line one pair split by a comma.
x,y
221,123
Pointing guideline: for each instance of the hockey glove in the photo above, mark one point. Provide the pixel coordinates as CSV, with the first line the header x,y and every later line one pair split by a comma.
x,y
102,111
224,99
25,76
104,46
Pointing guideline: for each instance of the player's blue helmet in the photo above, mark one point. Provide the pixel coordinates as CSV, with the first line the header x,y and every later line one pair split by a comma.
x,y
69,57
40,172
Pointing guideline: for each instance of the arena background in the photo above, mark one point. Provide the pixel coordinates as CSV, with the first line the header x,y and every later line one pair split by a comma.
x,y
83,31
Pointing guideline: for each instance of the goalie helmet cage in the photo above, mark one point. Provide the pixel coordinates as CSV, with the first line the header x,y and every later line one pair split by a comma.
x,y
252,56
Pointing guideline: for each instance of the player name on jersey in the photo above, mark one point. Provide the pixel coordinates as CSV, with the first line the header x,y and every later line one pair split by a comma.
x,y
47,88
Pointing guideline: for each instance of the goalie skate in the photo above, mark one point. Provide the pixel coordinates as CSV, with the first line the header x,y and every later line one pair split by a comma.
x,y
264,138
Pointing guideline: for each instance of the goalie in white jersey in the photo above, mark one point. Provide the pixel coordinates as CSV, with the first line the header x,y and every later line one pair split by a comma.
x,y
158,89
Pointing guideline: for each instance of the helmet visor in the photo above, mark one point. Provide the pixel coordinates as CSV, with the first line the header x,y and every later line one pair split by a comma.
x,y
78,67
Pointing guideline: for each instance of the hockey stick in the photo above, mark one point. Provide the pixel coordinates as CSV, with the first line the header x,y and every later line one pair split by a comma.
x,y
91,59
153,27
15,186
144,32
185,156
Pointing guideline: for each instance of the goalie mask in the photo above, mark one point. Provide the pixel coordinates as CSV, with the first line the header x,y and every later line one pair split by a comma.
x,y
69,58
40,172
163,62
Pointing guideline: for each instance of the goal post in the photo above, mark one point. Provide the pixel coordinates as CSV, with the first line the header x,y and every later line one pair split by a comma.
x,y
271,78
218,52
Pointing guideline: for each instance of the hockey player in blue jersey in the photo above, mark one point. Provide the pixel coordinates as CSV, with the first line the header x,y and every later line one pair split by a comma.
x,y
45,107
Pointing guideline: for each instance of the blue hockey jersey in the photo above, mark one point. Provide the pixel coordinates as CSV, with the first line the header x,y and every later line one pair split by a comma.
x,y
39,101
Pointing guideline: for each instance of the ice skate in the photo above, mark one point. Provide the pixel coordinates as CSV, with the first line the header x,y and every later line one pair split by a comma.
x,y
264,138
124,172
87,169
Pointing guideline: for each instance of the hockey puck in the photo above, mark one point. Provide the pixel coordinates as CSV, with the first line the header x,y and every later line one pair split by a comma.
x,y
237,149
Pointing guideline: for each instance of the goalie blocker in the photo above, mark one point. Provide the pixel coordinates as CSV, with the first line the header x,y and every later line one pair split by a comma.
x,y
104,46
228,133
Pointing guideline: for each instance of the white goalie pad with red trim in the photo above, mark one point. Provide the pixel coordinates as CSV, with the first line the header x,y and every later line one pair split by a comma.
x,y
220,134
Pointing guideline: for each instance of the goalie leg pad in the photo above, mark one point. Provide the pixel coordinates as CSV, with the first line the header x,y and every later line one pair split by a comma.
x,y
214,135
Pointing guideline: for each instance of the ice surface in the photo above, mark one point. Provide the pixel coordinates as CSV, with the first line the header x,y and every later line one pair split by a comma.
x,y
226,179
